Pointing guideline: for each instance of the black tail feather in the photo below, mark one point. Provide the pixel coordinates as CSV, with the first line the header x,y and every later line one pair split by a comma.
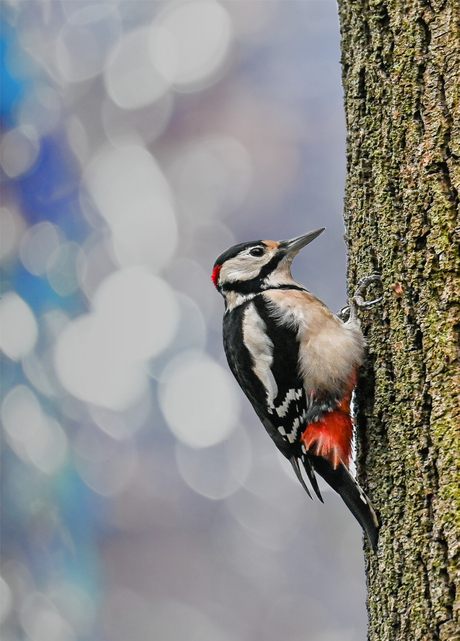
x,y
295,466
310,474
355,499
310,470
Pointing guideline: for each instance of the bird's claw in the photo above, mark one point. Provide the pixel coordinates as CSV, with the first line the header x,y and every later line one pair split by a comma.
x,y
363,284
358,301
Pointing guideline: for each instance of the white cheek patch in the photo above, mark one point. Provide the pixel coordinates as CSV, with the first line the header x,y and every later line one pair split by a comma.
x,y
233,273
244,266
260,347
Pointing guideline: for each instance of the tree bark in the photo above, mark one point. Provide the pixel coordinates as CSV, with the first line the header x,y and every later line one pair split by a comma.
x,y
401,77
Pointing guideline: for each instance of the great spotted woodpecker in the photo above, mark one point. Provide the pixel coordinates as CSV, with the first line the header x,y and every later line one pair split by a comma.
x,y
297,363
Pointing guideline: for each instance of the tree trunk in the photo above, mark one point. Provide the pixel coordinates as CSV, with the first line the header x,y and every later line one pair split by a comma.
x,y
401,76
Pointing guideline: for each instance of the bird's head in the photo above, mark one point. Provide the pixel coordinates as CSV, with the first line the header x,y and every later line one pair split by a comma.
x,y
257,265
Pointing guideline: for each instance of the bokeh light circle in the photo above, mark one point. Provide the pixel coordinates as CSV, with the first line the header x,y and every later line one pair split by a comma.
x,y
19,326
92,369
35,437
133,195
190,41
218,471
105,464
138,311
198,399
212,177
99,356
38,244
19,150
86,40
42,621
131,78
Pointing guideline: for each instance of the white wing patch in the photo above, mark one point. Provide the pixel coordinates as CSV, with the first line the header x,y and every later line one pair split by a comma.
x,y
260,347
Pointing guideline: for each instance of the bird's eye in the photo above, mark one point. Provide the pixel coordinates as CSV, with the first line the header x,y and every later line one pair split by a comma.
x,y
257,251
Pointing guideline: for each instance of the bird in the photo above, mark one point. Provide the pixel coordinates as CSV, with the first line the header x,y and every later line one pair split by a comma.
x,y
297,362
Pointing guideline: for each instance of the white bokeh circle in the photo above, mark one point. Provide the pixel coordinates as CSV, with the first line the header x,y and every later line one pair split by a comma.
x,y
198,399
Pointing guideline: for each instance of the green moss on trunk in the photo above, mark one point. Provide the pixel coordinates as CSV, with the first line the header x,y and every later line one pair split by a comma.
x,y
401,76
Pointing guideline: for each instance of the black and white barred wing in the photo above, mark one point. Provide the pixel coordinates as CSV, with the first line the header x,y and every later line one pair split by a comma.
x,y
263,356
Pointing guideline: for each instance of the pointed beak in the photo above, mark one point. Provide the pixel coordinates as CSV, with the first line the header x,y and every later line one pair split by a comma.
x,y
293,246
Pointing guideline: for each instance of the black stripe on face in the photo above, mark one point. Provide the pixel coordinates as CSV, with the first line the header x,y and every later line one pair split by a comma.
x,y
272,264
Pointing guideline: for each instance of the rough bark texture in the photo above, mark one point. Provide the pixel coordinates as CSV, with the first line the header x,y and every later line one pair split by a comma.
x,y
401,75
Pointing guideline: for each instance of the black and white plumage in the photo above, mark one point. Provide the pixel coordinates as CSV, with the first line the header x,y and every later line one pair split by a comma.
x,y
296,362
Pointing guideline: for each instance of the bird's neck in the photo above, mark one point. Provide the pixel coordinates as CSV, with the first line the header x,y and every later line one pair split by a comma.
x,y
236,297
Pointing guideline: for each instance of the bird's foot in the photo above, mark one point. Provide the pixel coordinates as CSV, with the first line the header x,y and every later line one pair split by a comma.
x,y
358,298
358,301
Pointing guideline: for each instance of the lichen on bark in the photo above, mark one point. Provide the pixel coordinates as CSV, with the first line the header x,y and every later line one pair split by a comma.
x,y
401,78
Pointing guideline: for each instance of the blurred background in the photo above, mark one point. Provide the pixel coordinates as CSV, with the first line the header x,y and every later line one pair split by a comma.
x,y
142,498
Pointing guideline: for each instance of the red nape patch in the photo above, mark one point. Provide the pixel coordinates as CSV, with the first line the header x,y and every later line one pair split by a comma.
x,y
215,274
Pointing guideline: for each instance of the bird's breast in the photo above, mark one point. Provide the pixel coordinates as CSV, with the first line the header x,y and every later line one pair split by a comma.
x,y
329,350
